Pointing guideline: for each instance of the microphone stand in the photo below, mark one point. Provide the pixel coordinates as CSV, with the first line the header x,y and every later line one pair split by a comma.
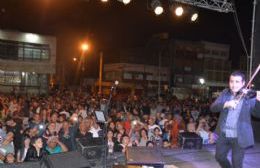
x,y
113,87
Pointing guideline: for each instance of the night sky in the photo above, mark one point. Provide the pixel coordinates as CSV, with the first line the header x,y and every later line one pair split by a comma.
x,y
113,25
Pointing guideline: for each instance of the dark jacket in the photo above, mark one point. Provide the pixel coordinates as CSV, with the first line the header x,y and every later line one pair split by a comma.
x,y
32,154
244,128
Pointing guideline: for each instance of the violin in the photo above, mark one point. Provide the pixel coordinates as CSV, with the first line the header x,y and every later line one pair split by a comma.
x,y
247,92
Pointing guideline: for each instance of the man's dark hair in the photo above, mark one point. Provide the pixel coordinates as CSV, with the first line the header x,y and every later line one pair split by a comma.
x,y
34,139
9,118
239,73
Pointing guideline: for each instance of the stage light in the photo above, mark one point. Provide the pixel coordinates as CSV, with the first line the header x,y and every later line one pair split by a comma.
x,y
179,11
157,7
125,1
194,17
104,0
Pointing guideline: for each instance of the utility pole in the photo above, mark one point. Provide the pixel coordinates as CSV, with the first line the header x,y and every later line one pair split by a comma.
x,y
252,40
100,72
159,75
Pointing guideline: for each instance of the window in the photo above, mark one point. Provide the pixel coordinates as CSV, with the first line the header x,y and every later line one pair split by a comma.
x,y
10,78
179,79
215,52
187,69
139,77
23,51
149,77
109,75
128,75
32,79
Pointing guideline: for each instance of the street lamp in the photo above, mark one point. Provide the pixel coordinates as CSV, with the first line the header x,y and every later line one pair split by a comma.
x,y
84,47
202,82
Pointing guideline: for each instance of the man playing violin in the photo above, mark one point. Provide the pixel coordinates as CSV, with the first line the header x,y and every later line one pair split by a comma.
x,y
234,125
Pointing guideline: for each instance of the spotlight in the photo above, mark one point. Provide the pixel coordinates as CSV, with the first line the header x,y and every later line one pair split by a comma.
x,y
194,17
179,11
104,0
125,1
157,7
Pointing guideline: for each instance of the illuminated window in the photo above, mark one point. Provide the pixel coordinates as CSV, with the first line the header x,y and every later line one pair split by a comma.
x,y
14,50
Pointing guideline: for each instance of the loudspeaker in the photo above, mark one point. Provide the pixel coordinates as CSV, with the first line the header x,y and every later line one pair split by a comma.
x,y
190,140
66,160
94,154
143,156
116,159
24,165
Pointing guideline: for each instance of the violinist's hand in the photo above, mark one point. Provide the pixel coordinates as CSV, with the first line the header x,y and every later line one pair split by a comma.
x,y
231,104
245,91
258,95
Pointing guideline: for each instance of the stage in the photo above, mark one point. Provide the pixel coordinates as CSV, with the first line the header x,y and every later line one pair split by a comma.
x,y
186,158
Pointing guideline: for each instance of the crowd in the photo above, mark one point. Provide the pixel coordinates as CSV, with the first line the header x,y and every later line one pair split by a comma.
x,y
33,126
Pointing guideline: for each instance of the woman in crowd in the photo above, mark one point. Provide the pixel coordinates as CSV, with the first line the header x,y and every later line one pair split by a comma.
x,y
21,153
36,150
144,137
110,141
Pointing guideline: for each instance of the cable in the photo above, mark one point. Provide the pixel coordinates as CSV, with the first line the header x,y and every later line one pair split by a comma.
x,y
239,30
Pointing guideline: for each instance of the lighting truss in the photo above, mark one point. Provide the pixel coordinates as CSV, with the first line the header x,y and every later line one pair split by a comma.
x,y
217,5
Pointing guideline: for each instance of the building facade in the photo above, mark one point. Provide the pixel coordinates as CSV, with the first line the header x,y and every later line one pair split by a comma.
x,y
27,62
138,78
173,65
196,60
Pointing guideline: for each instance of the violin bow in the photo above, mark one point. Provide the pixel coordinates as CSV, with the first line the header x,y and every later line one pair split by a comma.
x,y
249,82
253,76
